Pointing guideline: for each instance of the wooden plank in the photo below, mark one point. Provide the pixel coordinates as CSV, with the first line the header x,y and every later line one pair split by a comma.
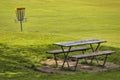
x,y
81,42
92,54
66,50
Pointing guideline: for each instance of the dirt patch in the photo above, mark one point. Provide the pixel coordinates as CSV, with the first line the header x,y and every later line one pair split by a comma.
x,y
49,67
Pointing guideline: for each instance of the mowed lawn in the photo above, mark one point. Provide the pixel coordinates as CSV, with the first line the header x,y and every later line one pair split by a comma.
x,y
50,21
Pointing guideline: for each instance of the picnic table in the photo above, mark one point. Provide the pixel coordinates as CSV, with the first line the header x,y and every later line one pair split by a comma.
x,y
71,47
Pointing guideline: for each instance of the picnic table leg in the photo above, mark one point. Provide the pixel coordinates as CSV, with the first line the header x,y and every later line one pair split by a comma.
x,y
55,58
95,50
98,46
76,64
92,59
65,56
92,48
84,53
105,60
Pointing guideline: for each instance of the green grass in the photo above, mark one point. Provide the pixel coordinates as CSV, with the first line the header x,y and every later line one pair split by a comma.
x,y
50,21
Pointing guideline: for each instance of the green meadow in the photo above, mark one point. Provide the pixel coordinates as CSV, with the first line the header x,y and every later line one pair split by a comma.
x,y
50,21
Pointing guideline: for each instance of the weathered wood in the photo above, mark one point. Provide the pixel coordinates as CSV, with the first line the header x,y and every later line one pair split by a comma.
x,y
66,50
55,52
81,42
80,56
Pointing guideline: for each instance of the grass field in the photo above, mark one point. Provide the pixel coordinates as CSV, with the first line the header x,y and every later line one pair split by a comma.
x,y
50,21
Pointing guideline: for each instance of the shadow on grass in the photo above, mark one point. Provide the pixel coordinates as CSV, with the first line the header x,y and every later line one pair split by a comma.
x,y
15,58
115,58
19,59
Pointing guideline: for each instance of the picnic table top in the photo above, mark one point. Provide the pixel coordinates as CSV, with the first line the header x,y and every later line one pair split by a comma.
x,y
79,42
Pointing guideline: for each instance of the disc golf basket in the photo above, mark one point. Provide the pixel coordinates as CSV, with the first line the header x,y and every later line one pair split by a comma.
x,y
20,14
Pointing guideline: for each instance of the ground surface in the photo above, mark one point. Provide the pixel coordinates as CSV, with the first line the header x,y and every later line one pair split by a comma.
x,y
49,68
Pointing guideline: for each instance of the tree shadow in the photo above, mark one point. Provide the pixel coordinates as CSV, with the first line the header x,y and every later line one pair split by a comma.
x,y
16,58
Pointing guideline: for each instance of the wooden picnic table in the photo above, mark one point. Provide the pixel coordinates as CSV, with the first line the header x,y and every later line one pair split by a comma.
x,y
70,48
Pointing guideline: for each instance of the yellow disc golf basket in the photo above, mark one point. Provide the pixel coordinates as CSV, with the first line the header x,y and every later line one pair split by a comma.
x,y
20,14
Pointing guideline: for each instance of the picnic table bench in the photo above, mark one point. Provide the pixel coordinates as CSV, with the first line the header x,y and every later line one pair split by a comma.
x,y
81,56
56,52
70,48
